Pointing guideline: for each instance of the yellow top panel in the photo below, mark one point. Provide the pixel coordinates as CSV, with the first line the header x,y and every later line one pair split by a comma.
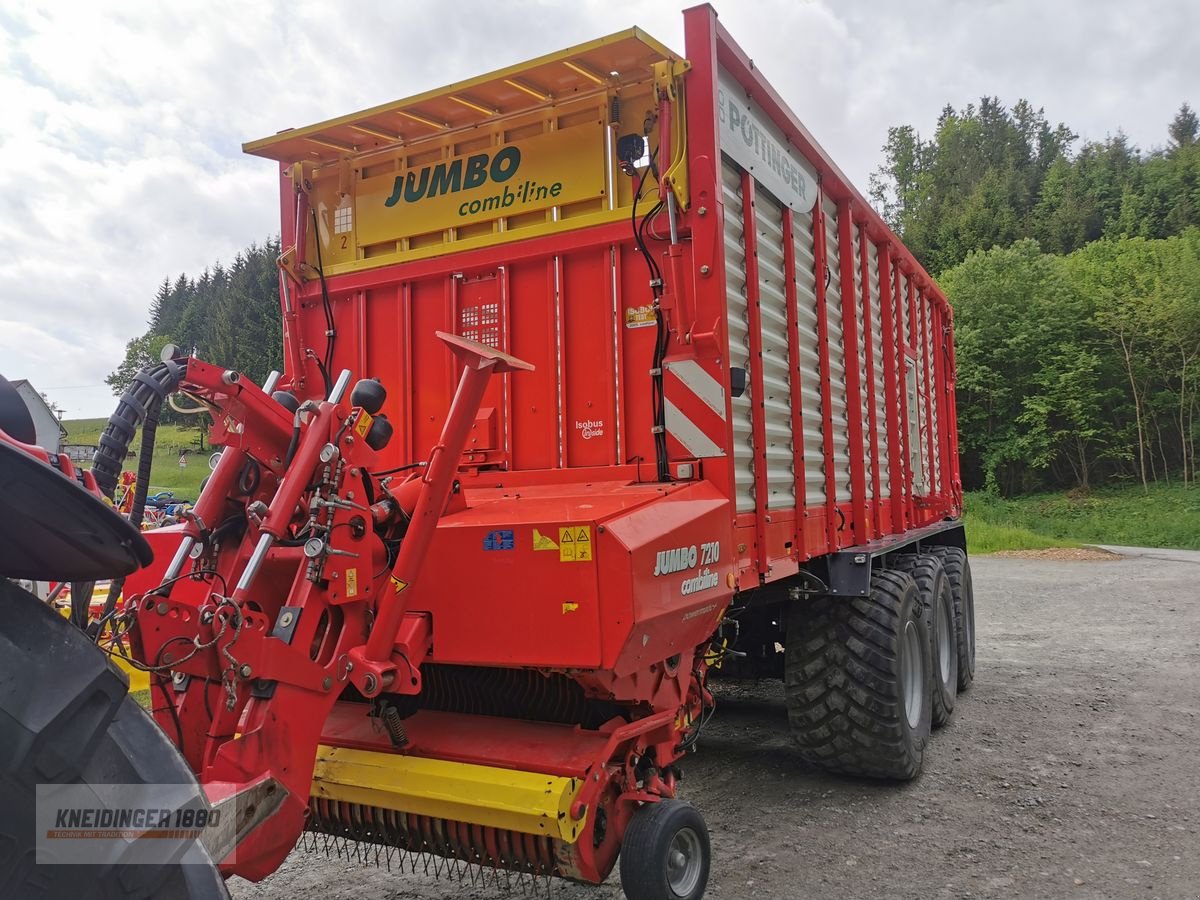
x,y
548,80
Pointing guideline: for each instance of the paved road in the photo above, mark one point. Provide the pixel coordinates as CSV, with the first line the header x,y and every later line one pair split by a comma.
x,y
1071,769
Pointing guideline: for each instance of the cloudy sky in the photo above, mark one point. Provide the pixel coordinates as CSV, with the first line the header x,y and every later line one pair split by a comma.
x,y
121,123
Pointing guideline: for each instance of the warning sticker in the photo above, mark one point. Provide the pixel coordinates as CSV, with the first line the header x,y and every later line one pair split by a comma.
x,y
639,316
398,585
542,542
575,543
363,425
352,582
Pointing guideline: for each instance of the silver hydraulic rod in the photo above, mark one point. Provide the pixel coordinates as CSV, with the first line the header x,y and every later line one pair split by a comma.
x,y
266,541
339,387
181,554
272,379
671,217
261,549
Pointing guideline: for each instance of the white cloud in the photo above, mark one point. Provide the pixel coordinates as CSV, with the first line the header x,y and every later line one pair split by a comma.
x,y
121,124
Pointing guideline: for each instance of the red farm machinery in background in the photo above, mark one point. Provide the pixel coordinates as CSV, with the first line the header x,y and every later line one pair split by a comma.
x,y
600,380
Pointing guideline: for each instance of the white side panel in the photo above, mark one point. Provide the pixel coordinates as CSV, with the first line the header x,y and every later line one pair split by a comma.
x,y
810,360
838,418
777,406
739,333
881,431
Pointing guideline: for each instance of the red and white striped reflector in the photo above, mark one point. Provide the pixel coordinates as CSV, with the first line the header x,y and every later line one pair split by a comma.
x,y
695,409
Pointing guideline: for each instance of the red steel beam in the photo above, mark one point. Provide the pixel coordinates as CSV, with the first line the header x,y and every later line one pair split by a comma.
x,y
916,411
952,426
854,397
905,498
939,399
795,385
891,387
707,228
869,357
821,268
758,409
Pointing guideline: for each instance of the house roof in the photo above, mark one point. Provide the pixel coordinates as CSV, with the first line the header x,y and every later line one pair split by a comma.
x,y
17,383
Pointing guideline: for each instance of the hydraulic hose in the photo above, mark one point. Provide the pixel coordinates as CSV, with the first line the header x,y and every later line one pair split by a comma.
x,y
140,404
147,392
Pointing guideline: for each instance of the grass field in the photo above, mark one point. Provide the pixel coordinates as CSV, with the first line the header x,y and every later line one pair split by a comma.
x,y
1165,516
170,442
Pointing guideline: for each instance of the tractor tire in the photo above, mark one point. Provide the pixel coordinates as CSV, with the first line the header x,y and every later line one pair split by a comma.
x,y
665,853
857,680
958,571
933,587
66,718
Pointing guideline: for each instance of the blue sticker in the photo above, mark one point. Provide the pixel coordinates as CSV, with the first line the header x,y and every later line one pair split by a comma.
x,y
499,540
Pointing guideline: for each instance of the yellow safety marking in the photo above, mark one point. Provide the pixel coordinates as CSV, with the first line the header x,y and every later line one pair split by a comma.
x,y
398,584
542,542
352,582
570,607
363,425
528,802
583,544
575,543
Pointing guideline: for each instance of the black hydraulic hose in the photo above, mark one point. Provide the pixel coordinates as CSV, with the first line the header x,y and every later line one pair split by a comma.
x,y
149,387
140,492
141,402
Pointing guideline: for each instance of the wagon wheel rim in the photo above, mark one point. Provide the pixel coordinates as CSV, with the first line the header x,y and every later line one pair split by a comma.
x,y
910,675
943,634
685,861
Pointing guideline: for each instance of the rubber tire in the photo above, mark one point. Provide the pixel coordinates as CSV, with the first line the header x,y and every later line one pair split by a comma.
x,y
958,571
843,684
66,717
646,843
933,587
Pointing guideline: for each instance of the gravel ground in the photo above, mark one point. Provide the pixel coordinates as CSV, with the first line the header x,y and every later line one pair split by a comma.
x,y
1071,768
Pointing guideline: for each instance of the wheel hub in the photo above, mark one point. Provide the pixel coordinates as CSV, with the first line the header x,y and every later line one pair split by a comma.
x,y
685,860
910,675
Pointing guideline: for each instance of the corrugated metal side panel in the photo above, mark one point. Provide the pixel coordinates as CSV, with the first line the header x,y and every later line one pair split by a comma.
x,y
810,359
920,323
776,401
931,343
837,419
877,357
739,333
860,325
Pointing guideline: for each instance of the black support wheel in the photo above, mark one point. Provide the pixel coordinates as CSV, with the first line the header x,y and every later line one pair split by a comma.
x,y
958,572
66,718
857,680
665,854
933,588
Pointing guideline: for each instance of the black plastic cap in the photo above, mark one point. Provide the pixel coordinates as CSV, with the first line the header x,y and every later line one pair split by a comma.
x,y
369,394
379,433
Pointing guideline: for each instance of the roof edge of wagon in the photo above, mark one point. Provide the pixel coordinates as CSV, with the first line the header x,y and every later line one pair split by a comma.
x,y
728,54
583,66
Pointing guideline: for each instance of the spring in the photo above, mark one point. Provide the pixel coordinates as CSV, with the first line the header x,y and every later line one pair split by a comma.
x,y
475,845
394,726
